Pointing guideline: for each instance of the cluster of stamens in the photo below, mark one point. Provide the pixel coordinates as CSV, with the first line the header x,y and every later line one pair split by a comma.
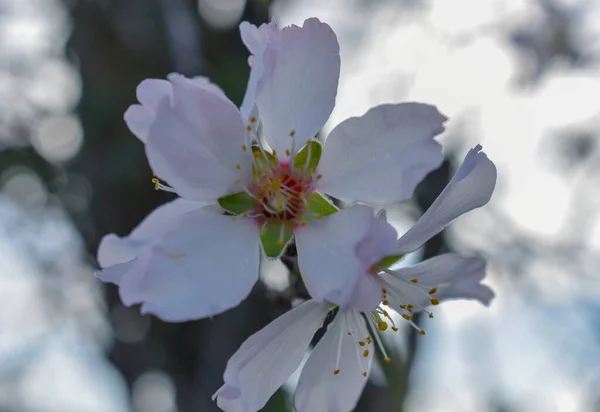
x,y
409,305
278,189
362,345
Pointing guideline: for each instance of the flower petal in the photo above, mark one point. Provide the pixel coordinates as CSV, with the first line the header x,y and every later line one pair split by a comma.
x,y
382,155
196,145
207,263
114,249
319,388
470,188
150,92
296,93
454,276
267,358
334,253
256,40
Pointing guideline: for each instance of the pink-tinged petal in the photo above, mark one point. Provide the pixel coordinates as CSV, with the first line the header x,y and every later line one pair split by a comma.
x,y
335,252
296,93
267,358
381,156
471,187
205,264
114,249
256,40
195,144
319,387
454,276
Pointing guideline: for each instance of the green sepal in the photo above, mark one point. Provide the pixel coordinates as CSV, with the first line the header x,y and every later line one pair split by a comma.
x,y
318,204
389,261
260,160
271,238
237,203
315,155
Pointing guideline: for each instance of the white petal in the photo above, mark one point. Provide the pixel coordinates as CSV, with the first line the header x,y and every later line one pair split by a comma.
x,y
114,250
256,40
319,389
267,358
205,82
470,188
454,276
327,253
151,92
382,155
196,145
296,94
115,273
204,265
139,119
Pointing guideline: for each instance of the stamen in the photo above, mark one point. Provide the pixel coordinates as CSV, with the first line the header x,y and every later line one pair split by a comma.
x,y
371,323
160,186
340,340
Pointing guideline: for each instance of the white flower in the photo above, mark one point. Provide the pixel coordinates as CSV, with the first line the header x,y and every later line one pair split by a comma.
x,y
335,372
201,262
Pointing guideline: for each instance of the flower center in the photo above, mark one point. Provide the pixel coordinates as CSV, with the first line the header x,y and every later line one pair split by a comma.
x,y
281,193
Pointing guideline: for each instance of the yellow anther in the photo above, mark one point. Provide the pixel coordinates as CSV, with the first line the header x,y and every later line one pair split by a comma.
x,y
422,332
244,148
395,329
237,182
369,341
249,128
388,360
292,133
406,316
319,176
366,353
402,306
384,291
382,326
287,152
410,306
252,119
335,372
362,343
238,166
349,334
274,152
387,315
431,316
432,291
245,214
415,280
155,180
234,218
435,301
385,302
365,374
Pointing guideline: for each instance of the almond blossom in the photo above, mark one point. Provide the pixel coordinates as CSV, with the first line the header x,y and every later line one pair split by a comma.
x,y
337,369
256,178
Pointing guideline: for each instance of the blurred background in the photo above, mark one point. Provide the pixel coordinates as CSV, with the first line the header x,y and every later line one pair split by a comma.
x,y
521,77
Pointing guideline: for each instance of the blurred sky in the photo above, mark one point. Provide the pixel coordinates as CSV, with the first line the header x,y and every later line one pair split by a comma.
x,y
521,77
